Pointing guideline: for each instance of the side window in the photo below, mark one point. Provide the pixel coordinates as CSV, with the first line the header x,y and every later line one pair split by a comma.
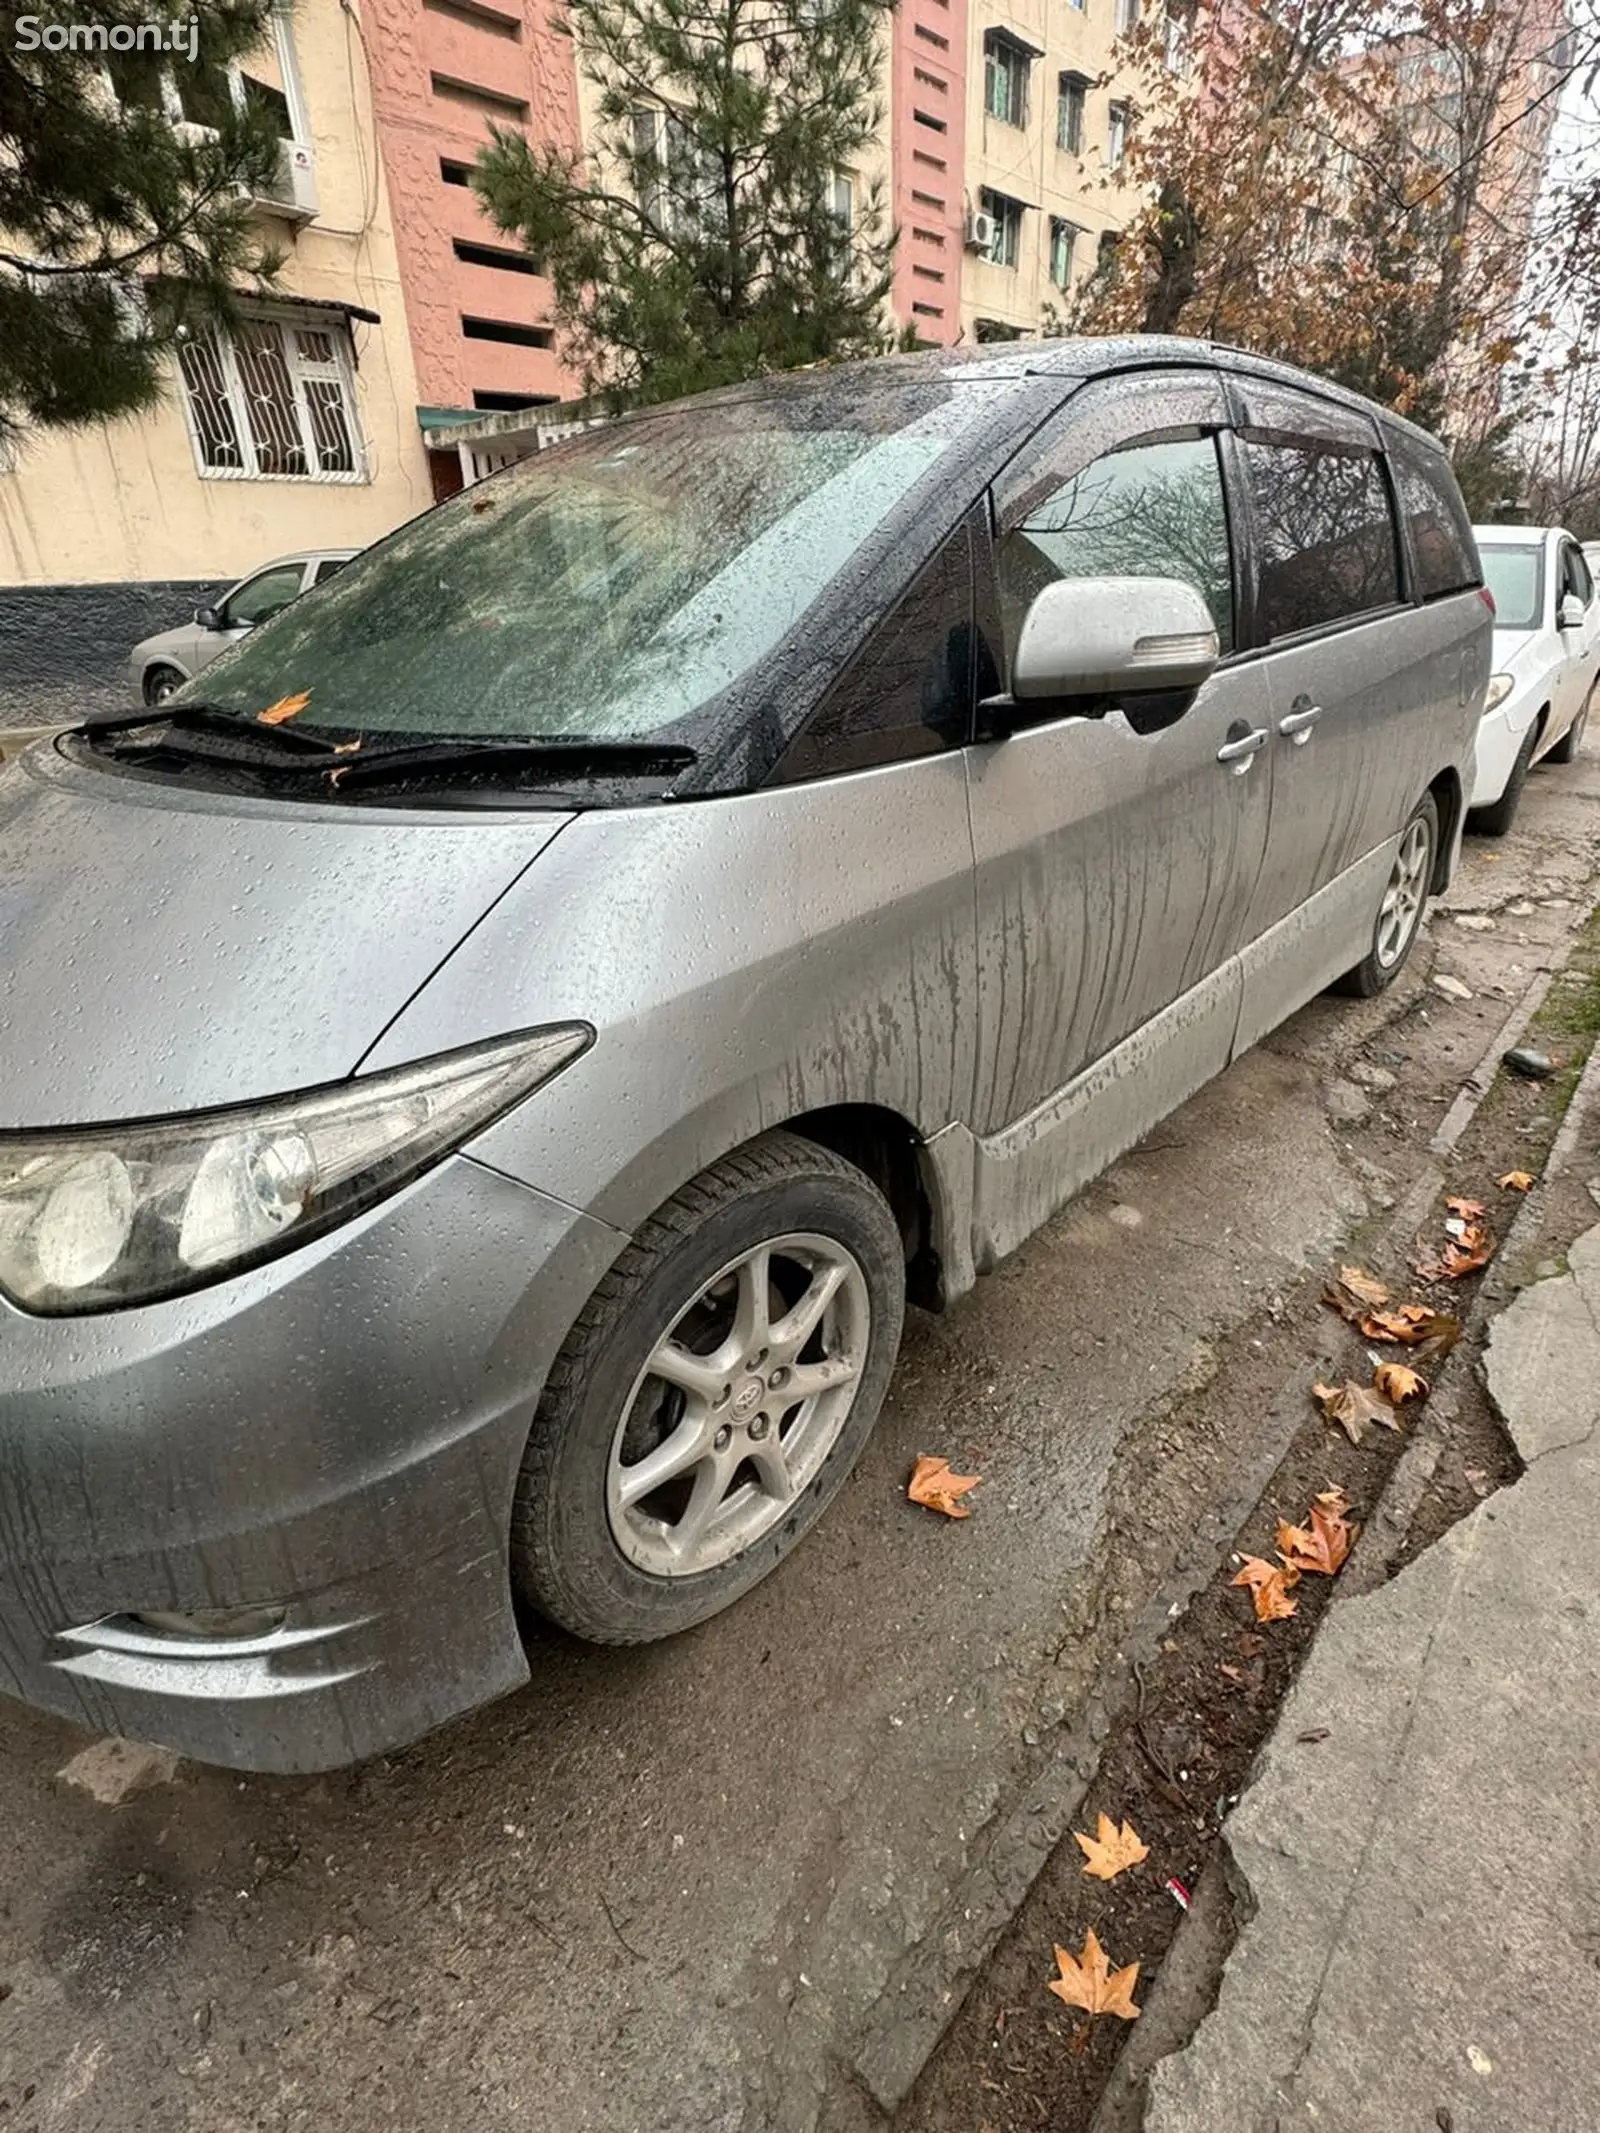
x,y
1443,552
262,597
1153,510
908,692
1325,534
327,568
1575,574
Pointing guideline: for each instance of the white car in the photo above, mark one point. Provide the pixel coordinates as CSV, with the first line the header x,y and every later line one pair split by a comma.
x,y
166,661
1546,657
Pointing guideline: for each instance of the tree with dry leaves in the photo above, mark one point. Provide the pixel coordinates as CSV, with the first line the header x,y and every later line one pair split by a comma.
x,y
1351,194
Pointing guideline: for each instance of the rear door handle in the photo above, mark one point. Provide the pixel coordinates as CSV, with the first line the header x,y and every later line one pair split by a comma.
x,y
1238,751
1297,726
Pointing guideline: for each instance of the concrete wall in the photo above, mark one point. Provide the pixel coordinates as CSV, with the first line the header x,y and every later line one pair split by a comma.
x,y
64,648
441,73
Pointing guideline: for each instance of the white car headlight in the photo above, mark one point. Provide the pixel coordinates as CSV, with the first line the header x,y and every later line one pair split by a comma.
x,y
97,1217
1500,687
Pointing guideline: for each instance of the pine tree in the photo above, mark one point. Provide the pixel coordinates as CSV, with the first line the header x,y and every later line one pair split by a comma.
x,y
703,240
118,229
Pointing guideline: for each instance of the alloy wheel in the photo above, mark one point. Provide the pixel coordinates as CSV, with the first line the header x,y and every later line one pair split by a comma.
x,y
1404,897
738,1405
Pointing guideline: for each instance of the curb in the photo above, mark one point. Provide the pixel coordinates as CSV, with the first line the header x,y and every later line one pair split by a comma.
x,y
1371,1565
926,1989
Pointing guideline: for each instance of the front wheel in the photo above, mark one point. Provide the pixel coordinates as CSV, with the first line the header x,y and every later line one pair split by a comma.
x,y
1496,820
1399,919
1566,749
713,1395
159,684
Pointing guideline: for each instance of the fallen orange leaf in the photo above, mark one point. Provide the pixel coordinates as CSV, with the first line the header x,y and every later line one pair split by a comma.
x,y
1110,1851
1468,1210
1355,1293
933,1484
1353,1406
1269,1585
1324,1544
1399,1383
286,707
1089,1982
1516,1181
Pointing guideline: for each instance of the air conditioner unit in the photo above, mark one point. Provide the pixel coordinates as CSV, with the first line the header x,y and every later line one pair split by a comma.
x,y
982,230
292,190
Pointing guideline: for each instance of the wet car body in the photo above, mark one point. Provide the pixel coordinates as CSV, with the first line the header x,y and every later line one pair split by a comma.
x,y
974,954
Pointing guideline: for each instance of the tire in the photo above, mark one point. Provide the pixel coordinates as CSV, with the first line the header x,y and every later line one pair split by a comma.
x,y
688,1291
159,683
1496,820
1399,915
1566,749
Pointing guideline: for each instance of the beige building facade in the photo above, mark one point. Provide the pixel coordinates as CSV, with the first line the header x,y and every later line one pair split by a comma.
x,y
1049,114
298,430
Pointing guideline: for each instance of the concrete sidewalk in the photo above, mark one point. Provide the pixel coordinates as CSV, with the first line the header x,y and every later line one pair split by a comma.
x,y
1424,1951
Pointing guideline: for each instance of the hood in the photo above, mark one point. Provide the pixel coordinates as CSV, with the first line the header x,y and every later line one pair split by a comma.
x,y
1508,644
163,952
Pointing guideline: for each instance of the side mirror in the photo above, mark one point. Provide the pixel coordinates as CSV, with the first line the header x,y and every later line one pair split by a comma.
x,y
208,618
1111,636
1572,612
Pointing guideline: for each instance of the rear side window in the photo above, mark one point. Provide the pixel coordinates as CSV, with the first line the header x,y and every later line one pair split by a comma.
x,y
1325,534
1443,552
1148,511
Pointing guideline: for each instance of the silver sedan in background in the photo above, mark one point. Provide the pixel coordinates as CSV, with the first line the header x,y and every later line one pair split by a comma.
x,y
164,662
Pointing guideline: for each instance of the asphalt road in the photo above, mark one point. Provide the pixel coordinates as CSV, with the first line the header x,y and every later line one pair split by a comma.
x,y
667,1889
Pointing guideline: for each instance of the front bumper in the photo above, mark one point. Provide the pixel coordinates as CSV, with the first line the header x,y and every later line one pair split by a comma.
x,y
334,1436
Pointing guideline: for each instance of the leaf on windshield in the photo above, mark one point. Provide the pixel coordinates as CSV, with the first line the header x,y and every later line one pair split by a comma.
x,y
348,747
284,709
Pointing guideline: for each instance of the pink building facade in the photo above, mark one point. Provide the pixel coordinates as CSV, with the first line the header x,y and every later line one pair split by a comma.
x,y
928,164
478,310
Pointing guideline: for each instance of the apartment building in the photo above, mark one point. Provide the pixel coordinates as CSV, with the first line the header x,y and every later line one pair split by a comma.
x,y
479,310
298,430
1050,109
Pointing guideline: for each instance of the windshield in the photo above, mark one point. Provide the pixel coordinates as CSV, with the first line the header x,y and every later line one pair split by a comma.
x,y
1516,578
606,590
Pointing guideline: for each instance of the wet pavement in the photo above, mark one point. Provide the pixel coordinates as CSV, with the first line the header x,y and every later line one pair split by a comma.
x,y
667,1888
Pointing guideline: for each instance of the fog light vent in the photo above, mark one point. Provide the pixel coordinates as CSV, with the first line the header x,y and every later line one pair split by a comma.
x,y
212,1623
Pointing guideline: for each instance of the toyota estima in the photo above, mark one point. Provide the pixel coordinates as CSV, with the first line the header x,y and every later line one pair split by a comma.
x,y
487,1064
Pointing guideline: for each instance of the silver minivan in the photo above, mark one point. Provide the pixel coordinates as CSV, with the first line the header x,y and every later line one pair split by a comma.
x,y
487,1065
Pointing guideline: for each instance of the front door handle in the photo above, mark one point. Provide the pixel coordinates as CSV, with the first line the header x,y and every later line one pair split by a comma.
x,y
1297,726
1237,751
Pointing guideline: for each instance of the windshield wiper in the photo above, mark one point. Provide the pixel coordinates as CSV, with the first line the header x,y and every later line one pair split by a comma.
x,y
210,718
566,756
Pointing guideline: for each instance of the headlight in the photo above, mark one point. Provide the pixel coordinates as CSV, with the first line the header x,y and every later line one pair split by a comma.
x,y
1500,687
95,1217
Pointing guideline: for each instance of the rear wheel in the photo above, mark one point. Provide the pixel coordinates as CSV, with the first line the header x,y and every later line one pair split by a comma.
x,y
1495,821
1405,896
1566,749
713,1396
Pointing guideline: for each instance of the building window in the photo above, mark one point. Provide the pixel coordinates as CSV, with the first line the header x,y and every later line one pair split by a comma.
x,y
1126,17
1071,91
1005,78
1063,236
1005,246
842,201
995,329
1176,31
1116,135
679,188
274,401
